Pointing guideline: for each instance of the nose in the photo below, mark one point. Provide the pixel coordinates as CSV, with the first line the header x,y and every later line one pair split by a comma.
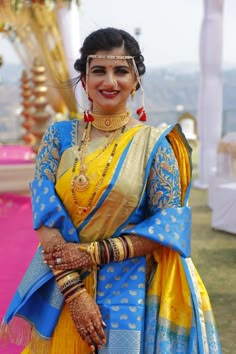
x,y
110,80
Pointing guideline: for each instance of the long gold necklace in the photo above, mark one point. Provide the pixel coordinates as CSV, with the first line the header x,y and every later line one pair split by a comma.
x,y
79,180
81,183
110,122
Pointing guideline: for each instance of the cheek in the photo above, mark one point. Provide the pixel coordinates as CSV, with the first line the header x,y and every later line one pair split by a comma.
x,y
93,83
128,83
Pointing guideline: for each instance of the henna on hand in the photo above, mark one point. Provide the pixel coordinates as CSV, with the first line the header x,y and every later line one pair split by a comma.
x,y
142,245
67,256
87,318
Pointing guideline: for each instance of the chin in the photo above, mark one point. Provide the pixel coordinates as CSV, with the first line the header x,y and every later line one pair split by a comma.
x,y
110,108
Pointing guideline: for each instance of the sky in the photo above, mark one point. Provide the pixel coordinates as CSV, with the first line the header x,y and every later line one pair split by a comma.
x,y
170,29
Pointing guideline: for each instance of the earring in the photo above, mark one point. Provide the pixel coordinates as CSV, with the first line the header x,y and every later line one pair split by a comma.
x,y
88,117
142,114
140,111
132,94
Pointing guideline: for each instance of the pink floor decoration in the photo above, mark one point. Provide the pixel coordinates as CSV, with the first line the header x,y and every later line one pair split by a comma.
x,y
17,164
16,154
18,242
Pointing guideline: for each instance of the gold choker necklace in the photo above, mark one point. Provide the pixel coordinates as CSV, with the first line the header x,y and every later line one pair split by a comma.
x,y
110,122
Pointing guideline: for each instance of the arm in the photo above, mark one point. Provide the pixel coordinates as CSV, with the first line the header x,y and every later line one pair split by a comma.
x,y
52,224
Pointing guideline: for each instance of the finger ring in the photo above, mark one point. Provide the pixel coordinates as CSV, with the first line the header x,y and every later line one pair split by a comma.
x,y
58,261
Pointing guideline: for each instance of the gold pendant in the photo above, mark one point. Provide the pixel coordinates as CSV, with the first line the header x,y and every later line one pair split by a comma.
x,y
81,182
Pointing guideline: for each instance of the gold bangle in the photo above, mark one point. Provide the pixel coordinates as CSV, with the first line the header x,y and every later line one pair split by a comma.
x,y
97,253
67,278
91,251
130,245
121,250
72,297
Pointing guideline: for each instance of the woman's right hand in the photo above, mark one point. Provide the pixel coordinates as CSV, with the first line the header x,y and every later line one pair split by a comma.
x,y
66,256
88,320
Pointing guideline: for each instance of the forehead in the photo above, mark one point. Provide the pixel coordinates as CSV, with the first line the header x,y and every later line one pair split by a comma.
x,y
115,53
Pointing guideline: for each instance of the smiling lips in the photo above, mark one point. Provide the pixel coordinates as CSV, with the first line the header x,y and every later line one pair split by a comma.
x,y
109,94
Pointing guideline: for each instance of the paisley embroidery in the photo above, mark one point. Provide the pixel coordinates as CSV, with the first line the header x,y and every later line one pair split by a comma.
x,y
50,149
164,181
48,155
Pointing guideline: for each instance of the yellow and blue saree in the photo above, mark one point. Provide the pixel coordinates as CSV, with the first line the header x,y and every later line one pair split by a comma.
x,y
152,304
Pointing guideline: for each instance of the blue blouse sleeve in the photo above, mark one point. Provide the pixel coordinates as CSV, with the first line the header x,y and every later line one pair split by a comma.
x,y
48,155
48,209
163,189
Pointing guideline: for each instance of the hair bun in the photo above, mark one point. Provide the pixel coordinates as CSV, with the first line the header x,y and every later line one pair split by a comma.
x,y
77,65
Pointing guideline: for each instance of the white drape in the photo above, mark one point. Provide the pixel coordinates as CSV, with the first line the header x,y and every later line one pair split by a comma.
x,y
69,26
210,97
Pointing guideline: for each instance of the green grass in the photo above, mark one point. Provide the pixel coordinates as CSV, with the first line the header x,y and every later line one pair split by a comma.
x,y
214,255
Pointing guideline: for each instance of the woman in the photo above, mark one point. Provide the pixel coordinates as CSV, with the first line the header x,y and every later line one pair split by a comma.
x,y
113,273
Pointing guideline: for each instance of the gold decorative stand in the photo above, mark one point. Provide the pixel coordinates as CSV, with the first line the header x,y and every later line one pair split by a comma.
x,y
40,114
26,88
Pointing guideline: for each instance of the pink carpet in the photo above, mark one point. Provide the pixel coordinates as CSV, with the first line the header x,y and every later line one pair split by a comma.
x,y
16,154
18,243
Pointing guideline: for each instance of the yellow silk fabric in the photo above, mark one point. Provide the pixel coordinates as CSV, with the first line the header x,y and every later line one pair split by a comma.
x,y
182,155
175,299
95,163
66,338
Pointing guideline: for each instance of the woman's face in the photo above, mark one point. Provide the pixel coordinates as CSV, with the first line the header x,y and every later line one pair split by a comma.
x,y
110,82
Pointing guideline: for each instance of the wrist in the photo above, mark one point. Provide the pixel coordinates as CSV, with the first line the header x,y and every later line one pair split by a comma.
x,y
110,250
70,284
76,295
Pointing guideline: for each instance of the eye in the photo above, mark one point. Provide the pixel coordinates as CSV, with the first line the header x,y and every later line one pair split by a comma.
x,y
97,71
122,71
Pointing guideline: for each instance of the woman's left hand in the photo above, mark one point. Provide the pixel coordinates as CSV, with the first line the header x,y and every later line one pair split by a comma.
x,y
67,256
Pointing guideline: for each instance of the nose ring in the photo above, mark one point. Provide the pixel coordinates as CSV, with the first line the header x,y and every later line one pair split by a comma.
x,y
115,83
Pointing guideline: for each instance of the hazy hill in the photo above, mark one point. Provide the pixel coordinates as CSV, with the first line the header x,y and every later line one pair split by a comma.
x,y
165,89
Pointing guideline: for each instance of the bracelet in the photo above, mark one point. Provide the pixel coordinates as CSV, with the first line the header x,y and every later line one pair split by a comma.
x,y
73,296
67,278
130,246
64,273
91,251
72,290
69,283
111,250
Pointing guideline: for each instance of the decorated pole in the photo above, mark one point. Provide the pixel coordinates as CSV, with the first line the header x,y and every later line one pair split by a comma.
x,y
32,25
69,26
210,98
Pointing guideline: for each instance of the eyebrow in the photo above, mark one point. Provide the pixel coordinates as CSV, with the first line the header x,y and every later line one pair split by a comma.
x,y
103,66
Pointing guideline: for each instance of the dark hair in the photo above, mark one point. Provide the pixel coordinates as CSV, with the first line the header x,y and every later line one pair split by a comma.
x,y
108,39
